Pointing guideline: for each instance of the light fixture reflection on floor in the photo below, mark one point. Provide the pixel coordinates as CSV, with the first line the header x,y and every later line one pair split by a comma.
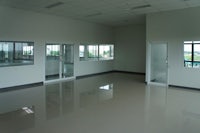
x,y
106,87
28,110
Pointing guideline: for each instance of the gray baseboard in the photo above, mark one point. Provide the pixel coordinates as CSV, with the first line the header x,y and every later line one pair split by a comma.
x,y
20,87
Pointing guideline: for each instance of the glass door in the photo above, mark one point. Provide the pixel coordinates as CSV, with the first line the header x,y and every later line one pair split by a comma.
x,y
159,66
67,60
59,61
52,70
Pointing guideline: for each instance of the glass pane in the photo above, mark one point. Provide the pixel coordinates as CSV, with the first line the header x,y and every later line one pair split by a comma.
x,y
27,50
16,53
68,61
188,52
6,53
23,52
106,52
93,52
81,50
188,64
52,61
53,50
196,52
158,63
188,42
196,42
196,64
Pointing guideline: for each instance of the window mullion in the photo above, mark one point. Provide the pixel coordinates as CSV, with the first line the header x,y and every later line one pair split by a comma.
x,y
192,54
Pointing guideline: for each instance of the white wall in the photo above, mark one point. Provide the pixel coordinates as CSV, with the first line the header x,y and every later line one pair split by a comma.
x,y
130,47
175,27
20,25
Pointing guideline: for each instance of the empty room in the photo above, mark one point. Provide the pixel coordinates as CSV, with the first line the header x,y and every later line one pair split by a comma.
x,y
99,66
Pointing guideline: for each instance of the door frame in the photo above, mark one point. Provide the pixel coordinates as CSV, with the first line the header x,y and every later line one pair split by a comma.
x,y
60,64
148,63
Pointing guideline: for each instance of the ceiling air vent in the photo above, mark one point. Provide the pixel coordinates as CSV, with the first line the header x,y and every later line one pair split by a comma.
x,y
54,5
141,7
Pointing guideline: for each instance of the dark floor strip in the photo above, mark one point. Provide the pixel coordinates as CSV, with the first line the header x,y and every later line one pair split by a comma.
x,y
90,75
137,73
20,87
183,87
114,71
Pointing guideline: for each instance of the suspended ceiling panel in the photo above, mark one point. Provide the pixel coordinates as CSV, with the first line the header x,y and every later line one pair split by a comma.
x,y
108,12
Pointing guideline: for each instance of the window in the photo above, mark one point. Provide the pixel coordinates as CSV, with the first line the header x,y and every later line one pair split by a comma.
x,y
93,52
96,52
23,51
16,53
192,54
106,52
81,51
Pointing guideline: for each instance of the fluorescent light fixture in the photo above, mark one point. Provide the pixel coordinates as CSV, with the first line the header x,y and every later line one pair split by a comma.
x,y
141,7
54,5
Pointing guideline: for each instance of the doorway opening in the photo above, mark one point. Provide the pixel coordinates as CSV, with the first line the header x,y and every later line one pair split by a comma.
x,y
59,61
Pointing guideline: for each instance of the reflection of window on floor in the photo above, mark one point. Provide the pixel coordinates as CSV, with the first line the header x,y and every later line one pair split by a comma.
x,y
192,54
96,52
16,53
106,87
19,120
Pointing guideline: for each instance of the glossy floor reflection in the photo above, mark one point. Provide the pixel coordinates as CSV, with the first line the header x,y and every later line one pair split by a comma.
x,y
109,103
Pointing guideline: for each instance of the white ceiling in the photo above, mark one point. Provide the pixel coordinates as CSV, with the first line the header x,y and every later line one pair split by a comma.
x,y
108,12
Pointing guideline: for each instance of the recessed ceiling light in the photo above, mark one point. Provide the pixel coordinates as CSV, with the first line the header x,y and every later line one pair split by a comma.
x,y
54,5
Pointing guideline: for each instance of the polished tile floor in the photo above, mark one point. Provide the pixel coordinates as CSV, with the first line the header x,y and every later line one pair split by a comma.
x,y
109,103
